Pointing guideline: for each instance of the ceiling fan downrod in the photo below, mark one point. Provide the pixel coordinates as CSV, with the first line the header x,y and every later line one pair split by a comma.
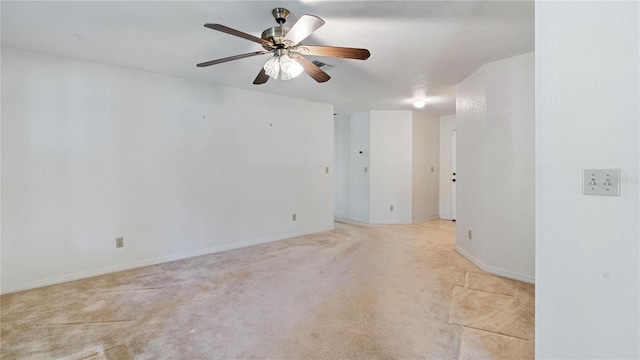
x,y
281,15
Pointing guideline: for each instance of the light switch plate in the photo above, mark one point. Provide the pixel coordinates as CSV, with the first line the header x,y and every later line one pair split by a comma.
x,y
601,182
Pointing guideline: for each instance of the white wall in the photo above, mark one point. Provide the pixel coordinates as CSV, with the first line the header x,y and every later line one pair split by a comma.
x,y
425,167
587,92
391,166
91,152
359,152
447,125
1,177
495,162
342,166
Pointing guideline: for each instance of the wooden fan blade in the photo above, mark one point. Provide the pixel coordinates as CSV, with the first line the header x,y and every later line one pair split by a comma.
x,y
315,72
234,32
230,58
334,51
302,28
261,78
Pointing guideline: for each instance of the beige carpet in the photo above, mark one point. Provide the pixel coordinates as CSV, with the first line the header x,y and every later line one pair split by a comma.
x,y
359,292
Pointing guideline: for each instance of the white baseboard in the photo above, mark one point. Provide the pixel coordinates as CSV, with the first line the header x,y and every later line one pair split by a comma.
x,y
357,221
389,222
427,219
496,271
155,261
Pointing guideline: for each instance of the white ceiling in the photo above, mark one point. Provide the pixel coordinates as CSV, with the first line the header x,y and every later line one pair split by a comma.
x,y
419,49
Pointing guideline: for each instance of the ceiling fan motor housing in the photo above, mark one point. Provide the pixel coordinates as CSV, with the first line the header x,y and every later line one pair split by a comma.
x,y
274,35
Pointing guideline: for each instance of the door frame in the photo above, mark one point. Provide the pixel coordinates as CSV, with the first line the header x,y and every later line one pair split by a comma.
x,y
453,174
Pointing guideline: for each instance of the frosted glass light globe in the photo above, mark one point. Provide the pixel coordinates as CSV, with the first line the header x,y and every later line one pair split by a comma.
x,y
282,67
272,67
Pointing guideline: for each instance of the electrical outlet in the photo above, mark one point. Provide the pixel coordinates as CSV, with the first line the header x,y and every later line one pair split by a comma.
x,y
432,169
293,217
119,242
326,170
390,207
470,235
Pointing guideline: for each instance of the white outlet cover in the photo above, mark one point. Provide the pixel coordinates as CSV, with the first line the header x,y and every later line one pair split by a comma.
x,y
601,182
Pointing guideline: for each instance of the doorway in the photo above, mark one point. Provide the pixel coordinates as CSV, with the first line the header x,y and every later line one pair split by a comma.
x,y
453,175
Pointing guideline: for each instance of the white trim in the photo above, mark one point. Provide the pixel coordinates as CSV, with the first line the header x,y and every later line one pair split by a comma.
x,y
390,222
155,261
496,271
427,219
362,220
357,221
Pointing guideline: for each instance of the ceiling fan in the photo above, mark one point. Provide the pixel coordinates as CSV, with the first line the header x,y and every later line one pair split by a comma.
x,y
287,61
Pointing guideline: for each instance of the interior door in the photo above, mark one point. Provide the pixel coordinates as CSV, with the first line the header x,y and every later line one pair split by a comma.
x,y
453,175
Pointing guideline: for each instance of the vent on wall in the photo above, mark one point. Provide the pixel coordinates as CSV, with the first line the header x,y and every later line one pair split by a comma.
x,y
322,65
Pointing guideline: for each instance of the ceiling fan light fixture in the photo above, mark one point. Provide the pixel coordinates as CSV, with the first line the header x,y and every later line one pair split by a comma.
x,y
282,67
419,104
283,42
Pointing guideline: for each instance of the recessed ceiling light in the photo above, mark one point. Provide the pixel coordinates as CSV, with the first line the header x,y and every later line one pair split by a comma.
x,y
419,104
